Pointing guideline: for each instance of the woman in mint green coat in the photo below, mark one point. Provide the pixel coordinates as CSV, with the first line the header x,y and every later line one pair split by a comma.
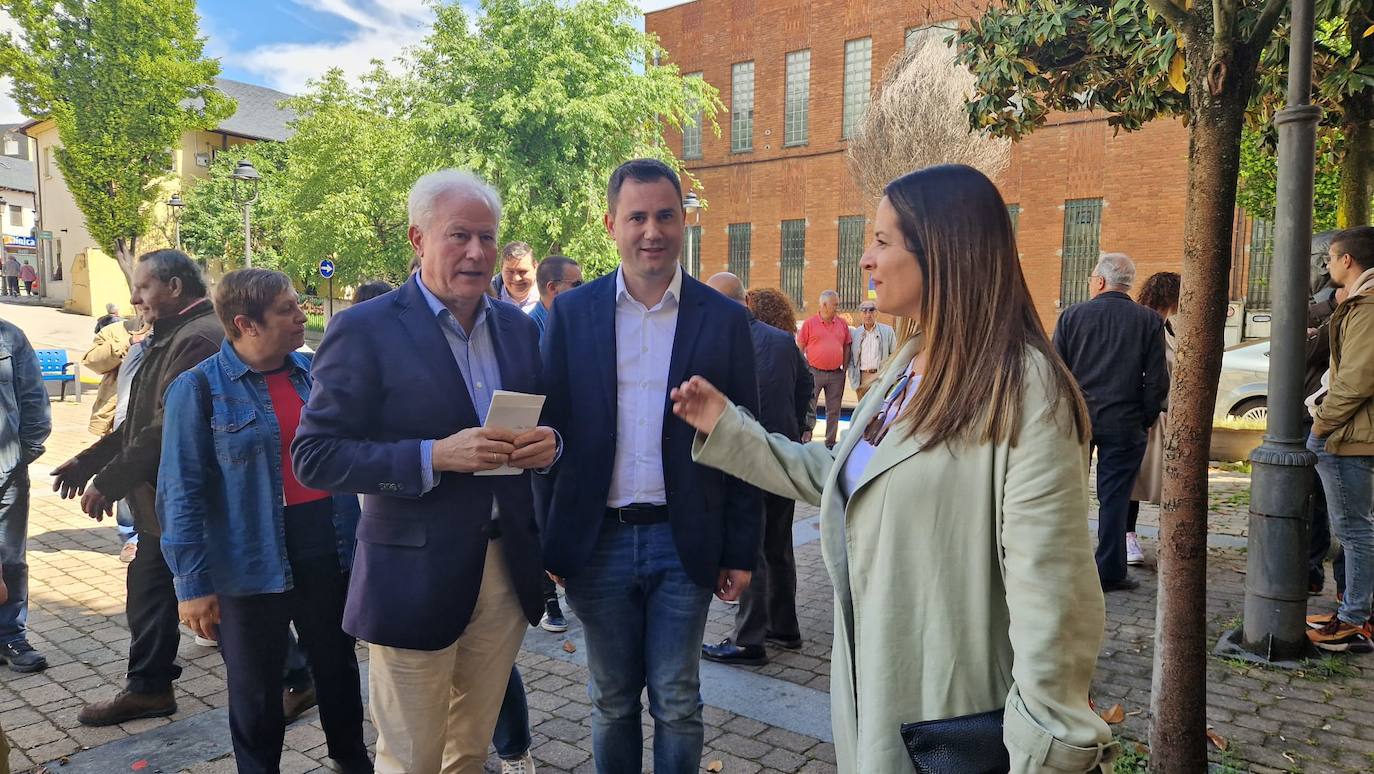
x,y
954,513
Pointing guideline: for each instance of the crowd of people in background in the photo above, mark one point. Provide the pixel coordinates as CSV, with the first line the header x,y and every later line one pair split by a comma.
x,y
283,506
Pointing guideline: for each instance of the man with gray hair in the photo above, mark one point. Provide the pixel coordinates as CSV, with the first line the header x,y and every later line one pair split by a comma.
x,y
825,338
1115,349
446,574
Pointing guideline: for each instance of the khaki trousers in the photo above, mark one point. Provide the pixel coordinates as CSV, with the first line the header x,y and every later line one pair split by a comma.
x,y
435,710
866,381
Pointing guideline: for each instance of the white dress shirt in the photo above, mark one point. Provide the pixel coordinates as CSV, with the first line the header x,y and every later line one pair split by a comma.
x,y
870,349
527,306
643,350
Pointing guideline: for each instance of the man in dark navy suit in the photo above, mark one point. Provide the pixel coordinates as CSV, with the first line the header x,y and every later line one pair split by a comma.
x,y
446,577
639,534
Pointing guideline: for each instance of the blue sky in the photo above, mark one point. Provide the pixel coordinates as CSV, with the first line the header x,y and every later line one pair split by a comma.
x,y
285,43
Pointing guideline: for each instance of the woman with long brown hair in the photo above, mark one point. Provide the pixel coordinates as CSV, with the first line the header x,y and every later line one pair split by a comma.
x,y
772,307
968,614
1160,293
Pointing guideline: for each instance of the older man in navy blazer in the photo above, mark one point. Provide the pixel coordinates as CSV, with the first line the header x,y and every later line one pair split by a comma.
x,y
446,577
639,533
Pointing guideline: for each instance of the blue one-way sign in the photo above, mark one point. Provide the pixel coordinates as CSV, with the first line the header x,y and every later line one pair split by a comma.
x,y
326,268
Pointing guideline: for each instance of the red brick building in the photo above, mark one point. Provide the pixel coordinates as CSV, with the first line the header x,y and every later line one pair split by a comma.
x,y
783,210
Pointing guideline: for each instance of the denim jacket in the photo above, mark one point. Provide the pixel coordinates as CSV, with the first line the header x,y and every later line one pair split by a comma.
x,y
219,491
24,401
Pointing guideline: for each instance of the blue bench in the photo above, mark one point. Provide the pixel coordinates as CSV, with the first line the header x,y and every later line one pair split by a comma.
x,y
55,367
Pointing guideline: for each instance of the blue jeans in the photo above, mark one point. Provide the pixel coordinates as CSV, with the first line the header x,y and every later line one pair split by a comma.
x,y
14,534
644,621
1349,486
511,738
124,522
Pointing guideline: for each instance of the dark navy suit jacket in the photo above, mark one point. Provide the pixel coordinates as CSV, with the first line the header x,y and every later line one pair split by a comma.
x,y
716,519
385,378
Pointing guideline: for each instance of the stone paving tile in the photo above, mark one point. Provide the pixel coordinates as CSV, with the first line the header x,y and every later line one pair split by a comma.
x,y
1314,721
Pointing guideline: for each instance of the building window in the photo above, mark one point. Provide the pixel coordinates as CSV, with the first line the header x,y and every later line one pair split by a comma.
x,y
691,251
858,82
1082,234
742,107
1257,297
794,260
739,235
1014,212
16,215
797,107
47,161
940,31
691,129
848,276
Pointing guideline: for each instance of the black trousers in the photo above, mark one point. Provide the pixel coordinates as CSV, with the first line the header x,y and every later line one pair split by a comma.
x,y
253,639
1119,454
151,607
769,606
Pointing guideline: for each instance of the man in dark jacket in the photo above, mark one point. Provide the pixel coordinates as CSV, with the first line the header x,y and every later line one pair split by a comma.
x,y
169,291
1115,349
768,608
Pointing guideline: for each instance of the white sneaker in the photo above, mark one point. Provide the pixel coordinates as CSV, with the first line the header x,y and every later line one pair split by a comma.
x,y
1134,554
522,765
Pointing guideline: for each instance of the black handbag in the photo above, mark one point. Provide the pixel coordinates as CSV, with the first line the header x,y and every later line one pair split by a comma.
x,y
968,744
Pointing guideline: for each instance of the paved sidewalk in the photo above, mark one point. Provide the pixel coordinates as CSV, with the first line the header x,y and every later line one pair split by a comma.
x,y
767,719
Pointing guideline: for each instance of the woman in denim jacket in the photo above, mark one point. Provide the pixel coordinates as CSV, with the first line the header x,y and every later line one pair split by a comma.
x,y
251,548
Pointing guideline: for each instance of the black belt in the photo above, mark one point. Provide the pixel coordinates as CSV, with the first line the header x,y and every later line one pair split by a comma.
x,y
638,514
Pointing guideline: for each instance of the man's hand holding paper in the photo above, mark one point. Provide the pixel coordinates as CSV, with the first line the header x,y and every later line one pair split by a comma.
x,y
534,449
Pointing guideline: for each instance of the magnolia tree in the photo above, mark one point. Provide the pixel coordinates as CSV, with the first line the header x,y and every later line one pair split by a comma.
x,y
918,118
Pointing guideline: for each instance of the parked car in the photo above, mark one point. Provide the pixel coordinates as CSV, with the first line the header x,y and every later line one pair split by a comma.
x,y
1243,390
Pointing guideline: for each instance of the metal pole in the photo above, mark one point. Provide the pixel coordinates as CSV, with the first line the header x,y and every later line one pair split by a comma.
x,y
247,235
176,224
1281,485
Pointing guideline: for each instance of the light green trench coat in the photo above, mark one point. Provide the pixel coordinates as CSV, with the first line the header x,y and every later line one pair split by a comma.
x,y
964,580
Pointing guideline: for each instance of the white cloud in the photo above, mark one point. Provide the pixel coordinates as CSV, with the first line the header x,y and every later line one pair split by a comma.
x,y
381,30
9,111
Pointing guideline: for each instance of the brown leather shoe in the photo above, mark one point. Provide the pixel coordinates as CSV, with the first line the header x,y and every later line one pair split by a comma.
x,y
295,703
126,706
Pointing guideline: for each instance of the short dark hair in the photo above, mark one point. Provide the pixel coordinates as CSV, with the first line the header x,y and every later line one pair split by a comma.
x,y
169,264
1358,242
247,292
640,171
551,269
370,290
1160,291
514,251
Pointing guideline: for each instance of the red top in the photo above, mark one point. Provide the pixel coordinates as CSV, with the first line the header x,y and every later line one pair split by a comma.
x,y
287,405
824,342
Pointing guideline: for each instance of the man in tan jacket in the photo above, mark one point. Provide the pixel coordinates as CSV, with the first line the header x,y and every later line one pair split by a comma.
x,y
1343,440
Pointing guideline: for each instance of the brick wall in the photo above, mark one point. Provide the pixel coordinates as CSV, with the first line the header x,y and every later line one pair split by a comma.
x,y
1141,177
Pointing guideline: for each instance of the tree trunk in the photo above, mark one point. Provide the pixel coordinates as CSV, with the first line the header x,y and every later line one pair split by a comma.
x,y
1178,741
1356,164
126,254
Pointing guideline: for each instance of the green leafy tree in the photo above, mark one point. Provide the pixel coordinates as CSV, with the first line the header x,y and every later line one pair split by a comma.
x,y
1259,175
544,99
212,221
1138,60
122,81
351,162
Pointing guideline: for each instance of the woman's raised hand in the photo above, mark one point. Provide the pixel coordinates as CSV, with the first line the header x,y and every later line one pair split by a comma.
x,y
698,403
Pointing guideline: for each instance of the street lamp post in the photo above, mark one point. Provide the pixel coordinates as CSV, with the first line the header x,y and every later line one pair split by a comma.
x,y
176,205
245,192
692,206
1281,485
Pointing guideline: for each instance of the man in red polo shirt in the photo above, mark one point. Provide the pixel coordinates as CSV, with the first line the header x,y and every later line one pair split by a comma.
x,y
824,339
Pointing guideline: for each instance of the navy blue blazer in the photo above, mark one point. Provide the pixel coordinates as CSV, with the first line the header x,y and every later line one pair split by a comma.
x,y
716,519
385,378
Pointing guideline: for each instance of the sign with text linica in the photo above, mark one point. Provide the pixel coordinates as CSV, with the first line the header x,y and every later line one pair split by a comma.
x,y
326,268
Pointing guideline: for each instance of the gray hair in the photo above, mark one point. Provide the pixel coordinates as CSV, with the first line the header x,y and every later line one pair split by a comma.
x,y
459,182
169,264
112,308
830,294
1116,269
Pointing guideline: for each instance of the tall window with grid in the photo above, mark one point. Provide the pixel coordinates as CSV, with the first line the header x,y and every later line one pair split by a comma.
x,y
858,83
1261,263
794,260
742,107
797,105
691,250
691,129
1082,233
849,279
1014,212
740,236
940,31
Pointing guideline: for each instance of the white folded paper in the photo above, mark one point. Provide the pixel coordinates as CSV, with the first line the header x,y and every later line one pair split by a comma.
x,y
517,411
